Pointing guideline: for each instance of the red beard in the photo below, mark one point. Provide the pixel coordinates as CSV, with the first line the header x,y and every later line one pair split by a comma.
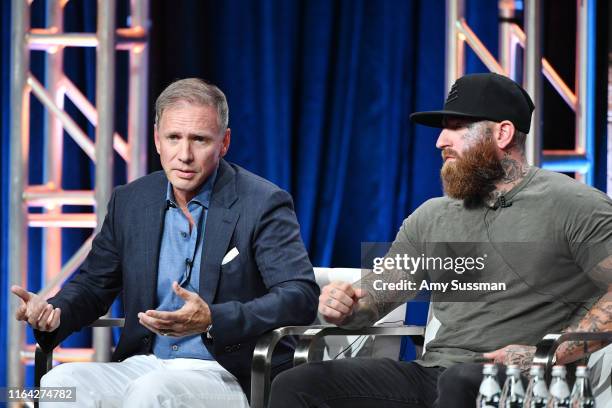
x,y
472,176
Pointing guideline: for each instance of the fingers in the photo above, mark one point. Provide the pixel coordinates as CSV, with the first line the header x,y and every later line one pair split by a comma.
x,y
53,320
336,305
331,315
157,324
166,317
20,314
34,310
161,327
44,315
337,301
182,292
148,326
497,356
345,287
21,292
47,319
360,293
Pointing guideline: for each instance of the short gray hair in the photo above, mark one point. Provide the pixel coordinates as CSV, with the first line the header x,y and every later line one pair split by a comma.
x,y
194,91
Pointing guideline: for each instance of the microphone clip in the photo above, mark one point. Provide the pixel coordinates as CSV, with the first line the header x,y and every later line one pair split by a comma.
x,y
503,203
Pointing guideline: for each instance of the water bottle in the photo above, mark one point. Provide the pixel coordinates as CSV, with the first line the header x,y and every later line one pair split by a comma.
x,y
537,393
513,393
582,395
489,392
559,390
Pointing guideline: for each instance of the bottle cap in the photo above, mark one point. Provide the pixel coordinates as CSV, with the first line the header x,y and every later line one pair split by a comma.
x,y
536,370
582,371
489,369
513,370
559,371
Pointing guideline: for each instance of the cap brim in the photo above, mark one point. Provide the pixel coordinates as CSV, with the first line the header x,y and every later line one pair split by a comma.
x,y
436,118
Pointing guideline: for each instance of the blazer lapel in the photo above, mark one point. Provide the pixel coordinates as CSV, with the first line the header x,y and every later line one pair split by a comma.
x,y
220,224
155,213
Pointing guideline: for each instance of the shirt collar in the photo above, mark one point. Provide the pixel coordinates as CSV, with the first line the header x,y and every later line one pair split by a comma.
x,y
202,197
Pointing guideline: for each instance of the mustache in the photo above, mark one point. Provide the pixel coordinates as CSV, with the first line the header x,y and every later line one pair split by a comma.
x,y
448,152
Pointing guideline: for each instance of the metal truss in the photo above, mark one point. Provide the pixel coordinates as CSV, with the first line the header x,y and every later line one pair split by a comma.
x,y
50,195
581,100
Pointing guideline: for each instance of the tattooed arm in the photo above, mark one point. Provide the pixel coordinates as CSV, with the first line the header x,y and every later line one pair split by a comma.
x,y
597,319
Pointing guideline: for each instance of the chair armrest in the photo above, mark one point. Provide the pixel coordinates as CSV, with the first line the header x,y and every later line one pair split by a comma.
x,y
43,362
302,351
262,355
108,322
546,348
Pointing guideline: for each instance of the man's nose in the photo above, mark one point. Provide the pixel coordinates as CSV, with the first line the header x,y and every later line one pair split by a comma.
x,y
443,140
185,153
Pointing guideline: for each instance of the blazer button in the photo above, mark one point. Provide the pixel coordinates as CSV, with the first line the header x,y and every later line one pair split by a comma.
x,y
227,349
146,340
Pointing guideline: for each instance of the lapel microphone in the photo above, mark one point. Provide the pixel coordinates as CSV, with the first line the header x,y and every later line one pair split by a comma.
x,y
501,202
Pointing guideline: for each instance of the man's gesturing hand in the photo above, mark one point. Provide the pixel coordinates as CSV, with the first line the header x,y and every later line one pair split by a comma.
x,y
338,300
193,318
36,311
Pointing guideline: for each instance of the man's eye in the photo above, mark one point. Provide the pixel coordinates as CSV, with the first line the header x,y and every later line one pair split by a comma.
x,y
198,139
172,137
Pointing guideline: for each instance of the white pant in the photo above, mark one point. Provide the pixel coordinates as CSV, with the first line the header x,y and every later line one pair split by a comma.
x,y
147,381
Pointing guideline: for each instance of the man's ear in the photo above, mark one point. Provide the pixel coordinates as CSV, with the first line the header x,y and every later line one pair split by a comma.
x,y
504,134
226,142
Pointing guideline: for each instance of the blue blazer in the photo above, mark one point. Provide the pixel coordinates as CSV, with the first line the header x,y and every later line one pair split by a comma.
x,y
269,284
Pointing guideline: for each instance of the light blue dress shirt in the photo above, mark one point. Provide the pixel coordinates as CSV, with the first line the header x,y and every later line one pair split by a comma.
x,y
178,249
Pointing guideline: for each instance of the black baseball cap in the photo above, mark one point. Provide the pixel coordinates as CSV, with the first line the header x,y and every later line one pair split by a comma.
x,y
486,96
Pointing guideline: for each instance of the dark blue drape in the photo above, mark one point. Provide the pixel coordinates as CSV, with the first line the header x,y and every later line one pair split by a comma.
x,y
319,93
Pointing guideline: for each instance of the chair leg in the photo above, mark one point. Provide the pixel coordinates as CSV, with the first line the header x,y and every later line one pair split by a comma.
x,y
43,362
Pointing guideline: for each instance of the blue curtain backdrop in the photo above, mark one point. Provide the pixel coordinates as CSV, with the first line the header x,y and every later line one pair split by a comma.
x,y
319,93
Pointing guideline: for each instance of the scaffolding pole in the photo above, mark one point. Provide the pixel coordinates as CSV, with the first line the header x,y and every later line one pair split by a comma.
x,y
19,139
580,159
532,77
105,102
50,195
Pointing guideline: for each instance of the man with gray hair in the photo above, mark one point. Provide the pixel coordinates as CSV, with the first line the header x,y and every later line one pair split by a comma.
x,y
208,257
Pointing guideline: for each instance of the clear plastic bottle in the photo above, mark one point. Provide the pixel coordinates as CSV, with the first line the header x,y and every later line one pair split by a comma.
x,y
559,390
489,392
536,395
582,394
513,392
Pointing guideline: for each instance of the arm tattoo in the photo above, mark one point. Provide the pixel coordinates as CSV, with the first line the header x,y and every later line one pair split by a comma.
x,y
597,319
378,303
521,356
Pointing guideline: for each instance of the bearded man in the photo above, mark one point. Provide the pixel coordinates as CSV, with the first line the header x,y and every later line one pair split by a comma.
x,y
545,236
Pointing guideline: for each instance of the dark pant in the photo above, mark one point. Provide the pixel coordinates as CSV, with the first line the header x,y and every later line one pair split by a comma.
x,y
364,382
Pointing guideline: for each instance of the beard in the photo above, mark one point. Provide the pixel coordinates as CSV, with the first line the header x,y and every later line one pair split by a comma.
x,y
472,176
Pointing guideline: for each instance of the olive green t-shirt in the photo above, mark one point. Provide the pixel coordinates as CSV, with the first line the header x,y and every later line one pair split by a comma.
x,y
543,244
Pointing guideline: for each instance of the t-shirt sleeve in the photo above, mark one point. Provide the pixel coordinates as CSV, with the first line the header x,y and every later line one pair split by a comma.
x,y
588,229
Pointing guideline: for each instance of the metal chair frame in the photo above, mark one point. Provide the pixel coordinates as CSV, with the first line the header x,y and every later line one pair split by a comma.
x,y
308,335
